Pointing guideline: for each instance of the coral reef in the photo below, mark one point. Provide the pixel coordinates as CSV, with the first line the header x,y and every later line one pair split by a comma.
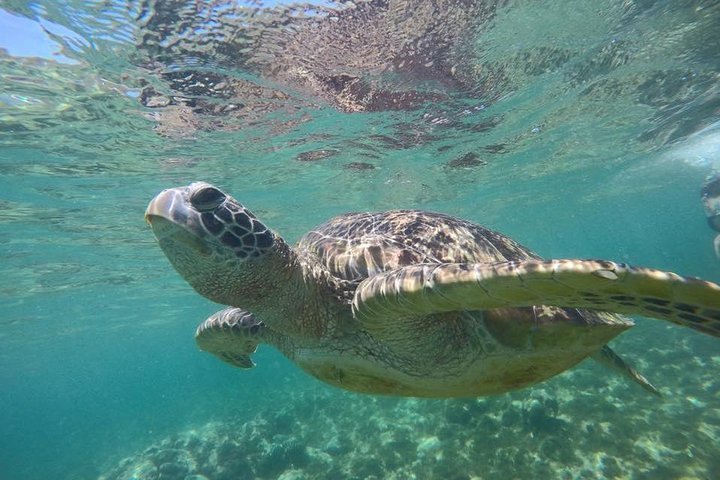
x,y
580,425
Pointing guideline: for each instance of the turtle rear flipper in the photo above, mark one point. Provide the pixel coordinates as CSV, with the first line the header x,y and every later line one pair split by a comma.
x,y
232,335
588,284
608,358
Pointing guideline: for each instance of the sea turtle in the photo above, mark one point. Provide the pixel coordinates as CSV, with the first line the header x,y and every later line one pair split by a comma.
x,y
409,302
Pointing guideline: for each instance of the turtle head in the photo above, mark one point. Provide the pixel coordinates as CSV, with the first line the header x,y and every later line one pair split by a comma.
x,y
214,242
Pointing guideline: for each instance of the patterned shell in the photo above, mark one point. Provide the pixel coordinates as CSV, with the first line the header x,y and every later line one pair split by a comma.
x,y
355,246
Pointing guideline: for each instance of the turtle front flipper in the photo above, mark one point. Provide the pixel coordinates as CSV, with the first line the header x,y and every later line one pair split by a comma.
x,y
232,335
588,284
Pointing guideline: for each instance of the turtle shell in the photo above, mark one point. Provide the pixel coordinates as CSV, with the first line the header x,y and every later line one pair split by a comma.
x,y
355,246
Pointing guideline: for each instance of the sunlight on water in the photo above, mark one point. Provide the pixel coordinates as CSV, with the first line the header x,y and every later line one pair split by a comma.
x,y
581,129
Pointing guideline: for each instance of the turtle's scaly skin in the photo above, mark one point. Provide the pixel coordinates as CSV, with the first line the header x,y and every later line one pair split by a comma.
x,y
409,302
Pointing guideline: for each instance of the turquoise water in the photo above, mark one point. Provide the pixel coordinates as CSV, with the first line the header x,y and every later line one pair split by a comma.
x,y
581,129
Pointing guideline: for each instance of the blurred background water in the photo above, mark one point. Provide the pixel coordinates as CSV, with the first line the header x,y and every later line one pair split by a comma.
x,y
579,128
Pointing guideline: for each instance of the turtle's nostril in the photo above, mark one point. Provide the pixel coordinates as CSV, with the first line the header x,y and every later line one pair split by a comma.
x,y
207,198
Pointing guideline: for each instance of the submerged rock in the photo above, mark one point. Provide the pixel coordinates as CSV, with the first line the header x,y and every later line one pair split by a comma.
x,y
133,469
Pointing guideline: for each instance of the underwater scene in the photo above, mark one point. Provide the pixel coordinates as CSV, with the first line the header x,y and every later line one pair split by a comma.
x,y
585,129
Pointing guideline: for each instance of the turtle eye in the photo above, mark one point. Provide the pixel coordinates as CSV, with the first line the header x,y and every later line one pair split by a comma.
x,y
206,199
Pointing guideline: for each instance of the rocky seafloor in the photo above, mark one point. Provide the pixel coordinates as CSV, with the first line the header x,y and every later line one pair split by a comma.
x,y
584,424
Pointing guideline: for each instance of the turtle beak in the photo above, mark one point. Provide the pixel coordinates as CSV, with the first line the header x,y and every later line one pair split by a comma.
x,y
173,221
175,204
169,205
166,209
